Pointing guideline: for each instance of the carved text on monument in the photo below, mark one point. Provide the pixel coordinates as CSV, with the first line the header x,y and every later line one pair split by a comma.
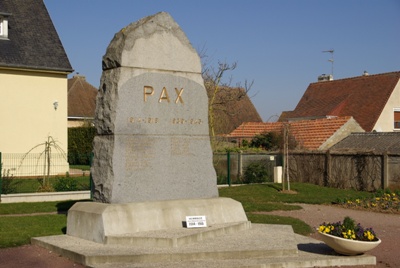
x,y
164,96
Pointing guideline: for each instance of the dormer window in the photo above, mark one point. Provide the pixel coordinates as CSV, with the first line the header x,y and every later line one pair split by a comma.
x,y
4,25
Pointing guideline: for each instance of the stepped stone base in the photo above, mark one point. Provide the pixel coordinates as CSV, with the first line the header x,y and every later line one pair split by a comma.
x,y
264,246
152,234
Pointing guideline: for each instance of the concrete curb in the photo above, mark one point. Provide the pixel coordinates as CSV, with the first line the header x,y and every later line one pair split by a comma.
x,y
45,197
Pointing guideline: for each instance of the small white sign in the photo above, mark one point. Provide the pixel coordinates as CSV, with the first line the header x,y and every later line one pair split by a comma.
x,y
196,221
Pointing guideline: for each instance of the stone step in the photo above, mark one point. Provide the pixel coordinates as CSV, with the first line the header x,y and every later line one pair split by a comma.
x,y
259,241
303,260
262,246
176,237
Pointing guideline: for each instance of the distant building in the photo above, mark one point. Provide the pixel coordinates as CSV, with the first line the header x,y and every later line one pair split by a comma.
x,y
81,102
374,142
232,107
372,100
318,134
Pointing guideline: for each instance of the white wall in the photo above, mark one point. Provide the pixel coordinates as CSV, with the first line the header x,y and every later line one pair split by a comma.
x,y
385,122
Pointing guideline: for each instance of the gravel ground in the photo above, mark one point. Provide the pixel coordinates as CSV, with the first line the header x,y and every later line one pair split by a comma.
x,y
387,227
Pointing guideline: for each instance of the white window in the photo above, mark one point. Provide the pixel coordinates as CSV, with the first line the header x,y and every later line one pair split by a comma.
x,y
396,116
3,25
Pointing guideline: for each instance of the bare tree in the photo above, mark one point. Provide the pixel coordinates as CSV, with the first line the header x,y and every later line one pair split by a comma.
x,y
220,92
46,155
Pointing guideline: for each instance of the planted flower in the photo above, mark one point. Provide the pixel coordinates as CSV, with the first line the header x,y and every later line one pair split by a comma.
x,y
348,238
349,230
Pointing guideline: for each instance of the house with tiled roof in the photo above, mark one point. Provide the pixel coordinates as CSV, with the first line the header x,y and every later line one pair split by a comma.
x,y
318,134
81,101
372,100
33,79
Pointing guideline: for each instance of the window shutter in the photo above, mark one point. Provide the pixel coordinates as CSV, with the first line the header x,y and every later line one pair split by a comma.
x,y
397,116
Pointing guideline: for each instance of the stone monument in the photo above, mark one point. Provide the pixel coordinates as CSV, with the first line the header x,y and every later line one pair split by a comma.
x,y
151,118
152,163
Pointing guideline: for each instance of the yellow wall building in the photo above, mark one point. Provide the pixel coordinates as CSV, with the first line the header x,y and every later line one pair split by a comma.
x,y
33,90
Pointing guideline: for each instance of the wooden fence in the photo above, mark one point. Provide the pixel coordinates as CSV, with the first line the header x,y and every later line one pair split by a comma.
x,y
364,171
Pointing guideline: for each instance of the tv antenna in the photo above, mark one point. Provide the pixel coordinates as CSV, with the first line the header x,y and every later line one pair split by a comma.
x,y
331,59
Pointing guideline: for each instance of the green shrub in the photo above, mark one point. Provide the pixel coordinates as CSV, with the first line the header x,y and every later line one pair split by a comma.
x,y
8,183
256,173
80,145
66,185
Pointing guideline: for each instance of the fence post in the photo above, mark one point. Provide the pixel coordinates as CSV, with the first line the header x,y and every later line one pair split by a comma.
x,y
90,175
240,164
229,167
385,171
328,171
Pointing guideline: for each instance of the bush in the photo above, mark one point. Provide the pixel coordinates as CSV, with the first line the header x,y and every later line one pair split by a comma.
x,y
8,184
256,173
66,185
80,145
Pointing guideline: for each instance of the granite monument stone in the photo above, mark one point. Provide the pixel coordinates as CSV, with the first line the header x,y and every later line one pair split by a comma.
x,y
152,139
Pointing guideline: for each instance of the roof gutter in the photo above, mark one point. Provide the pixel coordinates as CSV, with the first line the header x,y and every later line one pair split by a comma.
x,y
35,69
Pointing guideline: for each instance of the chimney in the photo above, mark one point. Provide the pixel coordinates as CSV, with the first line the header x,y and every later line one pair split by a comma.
x,y
325,77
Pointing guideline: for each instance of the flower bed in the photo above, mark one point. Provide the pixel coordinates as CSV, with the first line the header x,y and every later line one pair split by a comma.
x,y
381,202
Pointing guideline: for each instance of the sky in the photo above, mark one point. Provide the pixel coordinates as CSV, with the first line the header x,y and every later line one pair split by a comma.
x,y
277,44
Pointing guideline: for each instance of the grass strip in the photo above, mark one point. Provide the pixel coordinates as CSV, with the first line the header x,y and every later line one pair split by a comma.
x,y
36,207
299,227
262,197
17,231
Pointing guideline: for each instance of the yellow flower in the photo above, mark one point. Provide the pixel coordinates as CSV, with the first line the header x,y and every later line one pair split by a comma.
x,y
369,235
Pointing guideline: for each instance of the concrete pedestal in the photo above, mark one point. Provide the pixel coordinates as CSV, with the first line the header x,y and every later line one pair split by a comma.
x,y
99,222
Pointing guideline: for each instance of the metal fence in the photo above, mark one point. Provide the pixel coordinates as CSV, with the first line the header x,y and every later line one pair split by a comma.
x,y
22,173
231,167
33,164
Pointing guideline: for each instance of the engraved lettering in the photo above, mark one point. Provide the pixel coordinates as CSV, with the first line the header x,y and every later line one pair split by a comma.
x,y
147,91
147,120
164,95
179,95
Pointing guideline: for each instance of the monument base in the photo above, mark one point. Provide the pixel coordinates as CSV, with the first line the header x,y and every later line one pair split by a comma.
x,y
105,223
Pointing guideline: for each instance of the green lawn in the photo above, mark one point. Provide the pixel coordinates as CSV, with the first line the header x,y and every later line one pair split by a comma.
x,y
268,197
17,230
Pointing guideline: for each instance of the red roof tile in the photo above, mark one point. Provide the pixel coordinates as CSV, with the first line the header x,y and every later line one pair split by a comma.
x,y
309,134
362,97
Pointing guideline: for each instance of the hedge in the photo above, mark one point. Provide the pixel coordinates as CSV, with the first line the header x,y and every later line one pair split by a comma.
x,y
80,145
